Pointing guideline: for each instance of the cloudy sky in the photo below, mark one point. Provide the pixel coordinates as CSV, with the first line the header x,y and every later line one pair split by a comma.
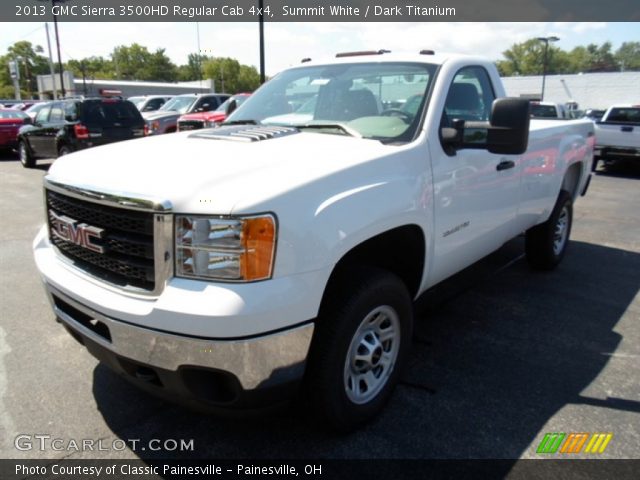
x,y
288,43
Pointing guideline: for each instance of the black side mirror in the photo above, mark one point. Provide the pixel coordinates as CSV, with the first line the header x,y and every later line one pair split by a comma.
x,y
27,121
233,104
506,133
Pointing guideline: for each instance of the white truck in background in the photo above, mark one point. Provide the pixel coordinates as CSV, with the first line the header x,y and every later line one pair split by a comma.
x,y
228,267
618,134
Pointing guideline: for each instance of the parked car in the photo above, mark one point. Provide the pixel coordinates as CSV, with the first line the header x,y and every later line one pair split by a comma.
x,y
196,121
10,122
33,110
226,267
165,119
149,103
64,126
548,110
618,134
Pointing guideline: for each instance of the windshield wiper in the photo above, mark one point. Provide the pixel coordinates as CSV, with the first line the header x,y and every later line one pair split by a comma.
x,y
241,122
330,126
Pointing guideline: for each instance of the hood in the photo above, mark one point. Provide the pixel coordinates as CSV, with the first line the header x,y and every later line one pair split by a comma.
x,y
213,115
157,114
207,172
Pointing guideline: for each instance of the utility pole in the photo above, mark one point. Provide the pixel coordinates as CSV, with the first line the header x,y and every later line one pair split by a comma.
x,y
262,74
546,41
51,69
14,71
55,26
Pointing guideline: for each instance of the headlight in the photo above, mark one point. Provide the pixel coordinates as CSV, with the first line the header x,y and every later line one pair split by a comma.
x,y
224,248
209,124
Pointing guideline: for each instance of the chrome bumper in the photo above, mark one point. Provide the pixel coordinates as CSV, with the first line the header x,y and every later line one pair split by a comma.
x,y
256,362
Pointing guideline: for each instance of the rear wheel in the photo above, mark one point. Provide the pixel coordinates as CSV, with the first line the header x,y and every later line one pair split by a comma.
x,y
64,150
26,158
362,340
546,243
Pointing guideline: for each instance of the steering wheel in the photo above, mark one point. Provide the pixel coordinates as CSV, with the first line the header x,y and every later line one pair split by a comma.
x,y
396,112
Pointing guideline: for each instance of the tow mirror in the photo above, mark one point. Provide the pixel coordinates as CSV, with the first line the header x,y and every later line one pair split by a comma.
x,y
506,133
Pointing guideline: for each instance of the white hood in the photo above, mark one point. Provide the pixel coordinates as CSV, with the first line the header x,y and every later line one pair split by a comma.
x,y
205,175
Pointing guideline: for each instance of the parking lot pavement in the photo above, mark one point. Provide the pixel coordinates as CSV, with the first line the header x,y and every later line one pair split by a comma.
x,y
502,356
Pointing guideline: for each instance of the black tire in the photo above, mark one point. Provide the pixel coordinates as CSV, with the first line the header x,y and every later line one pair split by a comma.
x,y
546,244
26,158
361,307
64,150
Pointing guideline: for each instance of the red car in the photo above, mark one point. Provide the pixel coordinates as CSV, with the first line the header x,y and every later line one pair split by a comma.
x,y
196,121
10,122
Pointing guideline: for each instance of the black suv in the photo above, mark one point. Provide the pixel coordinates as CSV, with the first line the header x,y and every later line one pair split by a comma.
x,y
73,124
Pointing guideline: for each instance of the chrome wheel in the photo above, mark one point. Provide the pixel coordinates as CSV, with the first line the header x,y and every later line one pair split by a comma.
x,y
561,231
24,156
372,354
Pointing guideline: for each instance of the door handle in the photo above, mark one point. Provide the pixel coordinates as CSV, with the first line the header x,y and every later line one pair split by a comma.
x,y
505,165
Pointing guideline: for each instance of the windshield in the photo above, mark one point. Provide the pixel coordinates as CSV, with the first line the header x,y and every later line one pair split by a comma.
x,y
239,101
624,115
543,111
179,104
366,98
13,114
137,101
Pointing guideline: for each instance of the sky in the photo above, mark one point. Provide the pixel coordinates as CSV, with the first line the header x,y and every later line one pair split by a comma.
x,y
287,43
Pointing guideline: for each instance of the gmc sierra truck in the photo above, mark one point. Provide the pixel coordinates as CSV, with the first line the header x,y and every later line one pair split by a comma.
x,y
618,134
290,259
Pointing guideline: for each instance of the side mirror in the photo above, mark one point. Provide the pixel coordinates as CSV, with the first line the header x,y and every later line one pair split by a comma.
x,y
27,121
233,104
506,133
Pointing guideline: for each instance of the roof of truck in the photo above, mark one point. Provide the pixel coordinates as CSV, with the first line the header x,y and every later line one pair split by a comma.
x,y
433,58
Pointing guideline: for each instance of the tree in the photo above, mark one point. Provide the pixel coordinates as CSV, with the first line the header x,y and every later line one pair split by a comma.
x,y
135,62
30,62
91,67
527,58
627,57
224,72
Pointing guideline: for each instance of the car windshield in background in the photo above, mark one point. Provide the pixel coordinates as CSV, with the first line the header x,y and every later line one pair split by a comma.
x,y
543,111
137,101
366,99
178,104
6,114
239,101
106,113
625,115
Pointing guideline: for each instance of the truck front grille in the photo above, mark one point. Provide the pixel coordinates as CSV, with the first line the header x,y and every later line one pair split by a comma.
x,y
122,250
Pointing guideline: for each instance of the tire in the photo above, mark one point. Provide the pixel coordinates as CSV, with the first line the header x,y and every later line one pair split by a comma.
x,y
546,244
26,158
64,150
362,340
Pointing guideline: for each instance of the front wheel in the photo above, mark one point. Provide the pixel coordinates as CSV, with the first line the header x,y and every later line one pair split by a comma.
x,y
362,340
545,244
26,158
64,150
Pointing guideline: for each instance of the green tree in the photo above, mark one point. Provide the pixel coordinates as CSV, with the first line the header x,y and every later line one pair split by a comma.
x,y
135,62
30,62
627,57
248,79
92,67
527,58
224,72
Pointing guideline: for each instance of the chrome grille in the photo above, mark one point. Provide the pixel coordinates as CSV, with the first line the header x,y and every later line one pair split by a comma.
x,y
127,241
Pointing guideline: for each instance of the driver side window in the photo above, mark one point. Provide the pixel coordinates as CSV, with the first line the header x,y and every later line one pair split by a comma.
x,y
470,97
43,115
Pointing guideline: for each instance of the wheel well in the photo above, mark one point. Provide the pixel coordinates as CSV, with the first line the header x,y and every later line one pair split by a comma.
x,y
400,250
572,179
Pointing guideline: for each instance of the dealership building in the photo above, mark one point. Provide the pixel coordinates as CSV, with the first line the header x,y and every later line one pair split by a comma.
x,y
588,90
126,88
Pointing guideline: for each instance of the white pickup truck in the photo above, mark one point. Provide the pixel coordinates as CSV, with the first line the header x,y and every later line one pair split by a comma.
x,y
618,134
229,267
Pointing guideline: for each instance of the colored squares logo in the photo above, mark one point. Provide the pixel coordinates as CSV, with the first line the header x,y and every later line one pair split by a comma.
x,y
574,443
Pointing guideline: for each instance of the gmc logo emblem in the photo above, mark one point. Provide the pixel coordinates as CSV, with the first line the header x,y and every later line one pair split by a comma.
x,y
70,230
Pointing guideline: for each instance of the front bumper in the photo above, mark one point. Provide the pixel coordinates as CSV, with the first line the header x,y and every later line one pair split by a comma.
x,y
247,373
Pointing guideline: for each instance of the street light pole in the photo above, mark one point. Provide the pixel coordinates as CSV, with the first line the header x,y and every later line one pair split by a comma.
x,y
546,41
262,73
55,26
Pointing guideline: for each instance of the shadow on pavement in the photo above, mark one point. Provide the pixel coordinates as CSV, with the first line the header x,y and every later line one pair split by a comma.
x,y
498,351
620,169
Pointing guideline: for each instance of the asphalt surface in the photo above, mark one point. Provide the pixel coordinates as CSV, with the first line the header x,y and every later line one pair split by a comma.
x,y
501,356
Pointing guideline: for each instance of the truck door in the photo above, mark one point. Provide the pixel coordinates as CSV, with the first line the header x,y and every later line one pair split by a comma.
x,y
51,128
475,192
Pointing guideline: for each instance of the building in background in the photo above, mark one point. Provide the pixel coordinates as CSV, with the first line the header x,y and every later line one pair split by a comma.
x,y
587,90
125,88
